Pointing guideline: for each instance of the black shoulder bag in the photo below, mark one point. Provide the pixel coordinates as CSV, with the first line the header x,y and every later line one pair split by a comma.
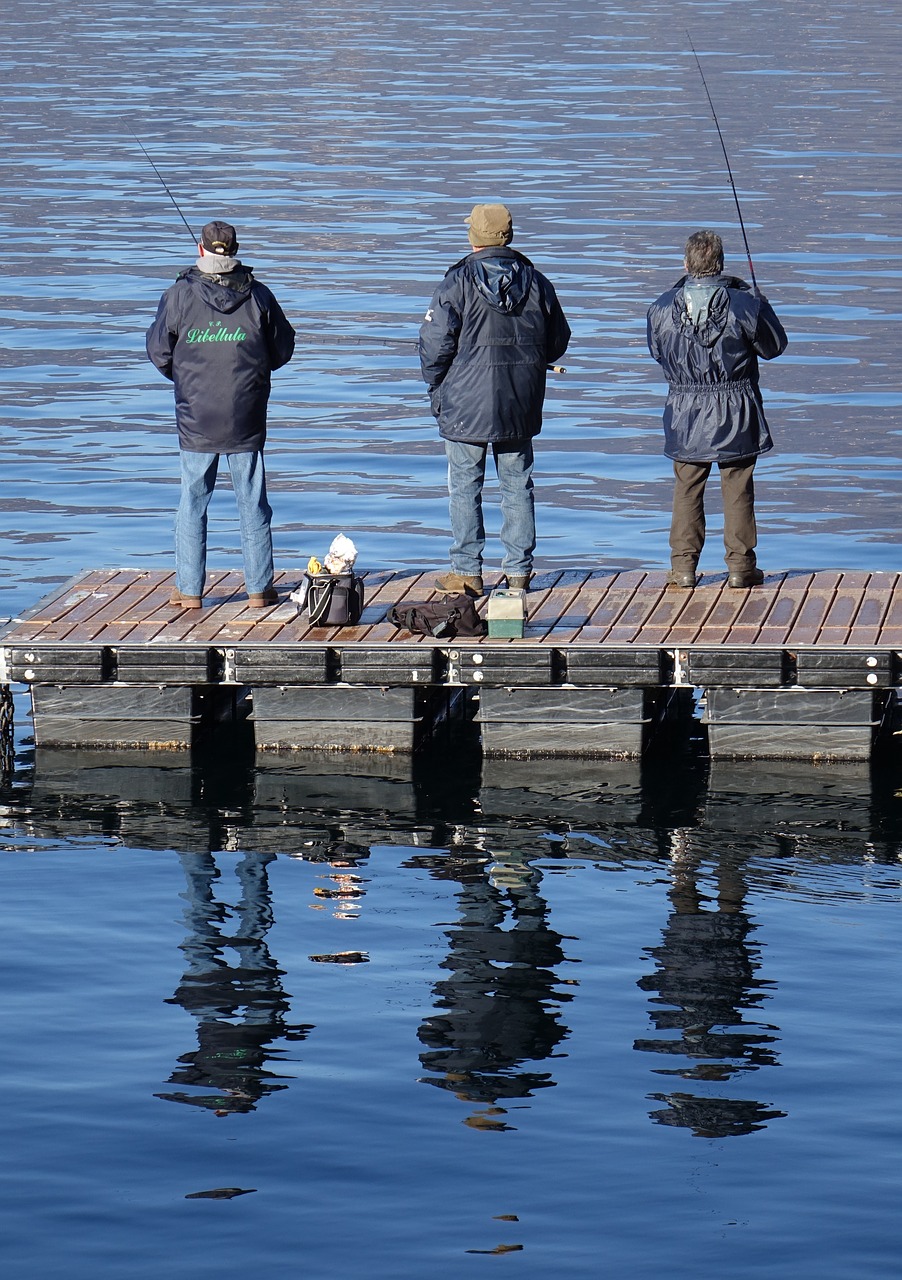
x,y
455,615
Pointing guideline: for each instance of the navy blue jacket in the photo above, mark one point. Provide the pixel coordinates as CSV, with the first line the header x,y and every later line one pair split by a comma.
x,y
707,335
492,327
218,338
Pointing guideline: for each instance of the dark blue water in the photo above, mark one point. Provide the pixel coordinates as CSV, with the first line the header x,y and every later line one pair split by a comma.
x,y
610,1021
596,1021
348,143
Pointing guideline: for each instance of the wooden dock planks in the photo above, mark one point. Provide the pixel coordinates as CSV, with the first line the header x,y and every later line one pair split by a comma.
x,y
602,667
787,603
112,607
57,616
816,605
665,616
878,595
755,610
696,612
891,626
843,609
557,599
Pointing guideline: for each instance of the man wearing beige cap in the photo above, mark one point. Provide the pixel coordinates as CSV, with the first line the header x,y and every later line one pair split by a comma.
x,y
492,328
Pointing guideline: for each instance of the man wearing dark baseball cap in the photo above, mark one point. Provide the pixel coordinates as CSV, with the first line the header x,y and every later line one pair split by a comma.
x,y
218,335
492,328
219,238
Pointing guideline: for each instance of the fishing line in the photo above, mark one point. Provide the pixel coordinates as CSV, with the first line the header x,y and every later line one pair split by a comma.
x,y
723,148
165,188
357,340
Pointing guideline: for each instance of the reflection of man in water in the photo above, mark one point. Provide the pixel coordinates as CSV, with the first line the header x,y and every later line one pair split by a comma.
x,y
704,981
500,1004
240,1006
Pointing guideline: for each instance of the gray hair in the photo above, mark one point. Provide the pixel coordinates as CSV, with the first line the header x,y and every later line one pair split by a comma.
x,y
704,254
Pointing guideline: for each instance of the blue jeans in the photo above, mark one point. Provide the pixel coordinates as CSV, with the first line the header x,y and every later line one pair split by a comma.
x,y
466,476
254,517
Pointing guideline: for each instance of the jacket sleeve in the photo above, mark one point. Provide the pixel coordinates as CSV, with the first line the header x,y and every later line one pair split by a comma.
x,y
769,339
439,333
651,334
280,336
162,337
558,332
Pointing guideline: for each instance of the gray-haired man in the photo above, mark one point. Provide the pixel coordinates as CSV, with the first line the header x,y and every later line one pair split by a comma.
x,y
707,333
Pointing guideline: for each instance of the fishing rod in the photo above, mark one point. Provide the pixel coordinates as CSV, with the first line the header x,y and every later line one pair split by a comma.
x,y
165,188
723,148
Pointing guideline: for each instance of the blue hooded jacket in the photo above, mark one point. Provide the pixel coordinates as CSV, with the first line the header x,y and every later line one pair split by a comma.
x,y
493,326
218,338
707,334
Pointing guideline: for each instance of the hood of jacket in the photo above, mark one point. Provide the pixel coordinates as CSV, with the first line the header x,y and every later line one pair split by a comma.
x,y
702,305
225,291
502,278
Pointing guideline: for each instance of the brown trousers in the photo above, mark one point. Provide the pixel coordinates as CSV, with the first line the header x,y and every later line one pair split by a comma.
x,y
687,527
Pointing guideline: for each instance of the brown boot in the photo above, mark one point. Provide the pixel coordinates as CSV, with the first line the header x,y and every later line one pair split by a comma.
x,y
455,583
745,578
184,602
518,581
261,599
685,578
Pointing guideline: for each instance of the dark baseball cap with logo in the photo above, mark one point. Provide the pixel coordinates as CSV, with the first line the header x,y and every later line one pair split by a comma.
x,y
219,237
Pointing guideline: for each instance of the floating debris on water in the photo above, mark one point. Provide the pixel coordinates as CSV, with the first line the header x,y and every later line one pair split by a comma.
x,y
342,957
220,1193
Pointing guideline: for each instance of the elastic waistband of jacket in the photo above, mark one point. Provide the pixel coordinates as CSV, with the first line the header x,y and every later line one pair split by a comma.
x,y
713,388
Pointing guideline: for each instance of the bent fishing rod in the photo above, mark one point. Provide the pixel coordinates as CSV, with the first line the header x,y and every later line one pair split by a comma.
x,y
723,148
165,187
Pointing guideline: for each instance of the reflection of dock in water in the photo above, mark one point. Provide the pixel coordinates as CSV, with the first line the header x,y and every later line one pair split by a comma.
x,y
806,666
497,1028
166,800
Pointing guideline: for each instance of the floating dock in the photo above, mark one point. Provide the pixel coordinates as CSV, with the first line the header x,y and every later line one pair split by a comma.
x,y
807,666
